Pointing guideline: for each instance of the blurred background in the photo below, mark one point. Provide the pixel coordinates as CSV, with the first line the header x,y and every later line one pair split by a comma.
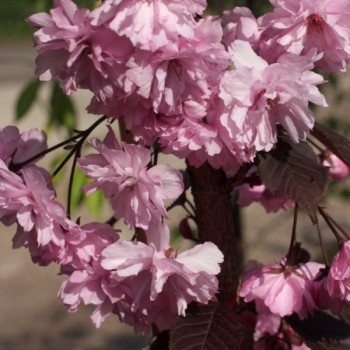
x,y
31,316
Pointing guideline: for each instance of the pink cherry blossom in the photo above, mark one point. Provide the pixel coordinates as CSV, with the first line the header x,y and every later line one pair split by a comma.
x,y
338,170
298,26
150,25
266,324
338,278
271,331
30,144
80,54
92,286
178,279
257,97
323,299
282,290
28,201
137,193
240,23
85,243
39,208
144,284
16,147
272,202
169,77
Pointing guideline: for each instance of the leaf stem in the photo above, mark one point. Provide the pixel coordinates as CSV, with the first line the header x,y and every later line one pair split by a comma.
x,y
330,222
293,237
341,229
324,252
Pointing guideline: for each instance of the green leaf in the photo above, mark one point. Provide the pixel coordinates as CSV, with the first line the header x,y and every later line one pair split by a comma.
x,y
94,203
54,164
77,196
26,98
62,113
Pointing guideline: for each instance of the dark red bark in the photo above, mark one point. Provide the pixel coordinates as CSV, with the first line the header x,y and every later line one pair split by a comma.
x,y
216,223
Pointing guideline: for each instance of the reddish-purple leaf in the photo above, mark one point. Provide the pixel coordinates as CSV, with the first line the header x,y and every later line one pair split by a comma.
x,y
293,170
322,331
336,143
210,327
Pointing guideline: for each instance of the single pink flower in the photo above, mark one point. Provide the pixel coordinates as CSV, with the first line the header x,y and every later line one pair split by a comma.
x,y
323,299
92,286
298,26
258,96
338,279
282,290
178,279
28,201
16,147
144,284
80,54
272,202
338,170
137,193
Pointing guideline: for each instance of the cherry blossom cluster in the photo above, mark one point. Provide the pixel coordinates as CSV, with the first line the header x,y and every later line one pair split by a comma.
x,y
285,288
205,88
143,283
216,89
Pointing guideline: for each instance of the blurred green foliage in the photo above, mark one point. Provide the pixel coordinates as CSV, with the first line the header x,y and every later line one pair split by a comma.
x,y
14,12
258,7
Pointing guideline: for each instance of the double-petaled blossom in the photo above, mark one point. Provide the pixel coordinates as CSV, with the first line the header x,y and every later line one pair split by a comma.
x,y
145,284
169,77
240,23
83,244
338,278
27,200
257,97
281,290
16,147
77,52
137,192
298,26
150,24
170,92
271,331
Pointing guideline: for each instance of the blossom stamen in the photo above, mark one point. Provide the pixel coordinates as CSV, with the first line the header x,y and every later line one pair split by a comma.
x,y
315,22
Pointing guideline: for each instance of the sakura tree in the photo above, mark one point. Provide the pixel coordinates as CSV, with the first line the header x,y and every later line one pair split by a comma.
x,y
233,96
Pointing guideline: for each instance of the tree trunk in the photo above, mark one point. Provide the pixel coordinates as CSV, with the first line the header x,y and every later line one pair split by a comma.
x,y
216,223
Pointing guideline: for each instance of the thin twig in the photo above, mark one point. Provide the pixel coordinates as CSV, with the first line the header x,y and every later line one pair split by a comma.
x,y
324,252
293,236
347,236
331,226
